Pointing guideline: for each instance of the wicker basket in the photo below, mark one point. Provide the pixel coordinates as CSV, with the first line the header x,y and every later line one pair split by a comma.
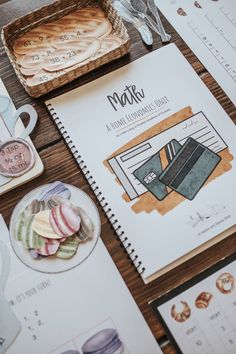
x,y
54,11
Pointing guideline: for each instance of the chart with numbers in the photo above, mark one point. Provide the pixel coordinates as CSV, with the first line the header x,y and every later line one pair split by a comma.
x,y
200,315
209,29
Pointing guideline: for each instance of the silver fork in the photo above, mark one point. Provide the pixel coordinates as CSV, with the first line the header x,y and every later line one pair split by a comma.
x,y
147,19
165,37
141,8
137,22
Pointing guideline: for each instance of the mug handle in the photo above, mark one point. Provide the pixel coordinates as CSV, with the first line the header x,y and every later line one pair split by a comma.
x,y
27,108
5,256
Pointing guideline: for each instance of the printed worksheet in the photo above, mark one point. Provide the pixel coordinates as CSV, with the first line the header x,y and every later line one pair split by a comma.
x,y
201,318
209,29
68,312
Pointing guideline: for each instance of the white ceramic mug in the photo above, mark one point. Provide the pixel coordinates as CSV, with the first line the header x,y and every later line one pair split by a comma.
x,y
10,117
9,324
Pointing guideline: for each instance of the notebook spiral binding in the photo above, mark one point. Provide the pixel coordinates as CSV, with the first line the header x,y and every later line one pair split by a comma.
x,y
99,195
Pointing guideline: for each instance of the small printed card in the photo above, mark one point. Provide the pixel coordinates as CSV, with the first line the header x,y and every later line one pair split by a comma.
x,y
19,160
200,315
190,168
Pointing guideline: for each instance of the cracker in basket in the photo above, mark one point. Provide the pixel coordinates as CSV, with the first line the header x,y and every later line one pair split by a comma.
x,y
46,32
28,41
105,34
60,40
90,12
85,13
37,36
94,27
35,57
81,44
89,28
108,44
18,57
43,76
78,65
75,16
77,52
29,72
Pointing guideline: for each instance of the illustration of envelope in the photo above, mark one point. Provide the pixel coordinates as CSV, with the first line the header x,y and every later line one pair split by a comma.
x,y
190,168
150,171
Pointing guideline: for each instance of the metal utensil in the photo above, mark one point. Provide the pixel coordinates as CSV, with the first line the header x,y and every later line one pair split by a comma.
x,y
151,23
141,8
165,37
139,24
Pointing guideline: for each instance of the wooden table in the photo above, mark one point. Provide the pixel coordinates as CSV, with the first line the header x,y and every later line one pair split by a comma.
x,y
53,152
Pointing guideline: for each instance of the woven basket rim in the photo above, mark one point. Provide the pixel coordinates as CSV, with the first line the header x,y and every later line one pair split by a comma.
x,y
36,10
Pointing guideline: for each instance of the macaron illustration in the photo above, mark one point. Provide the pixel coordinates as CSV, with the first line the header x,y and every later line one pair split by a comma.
x,y
41,225
56,188
106,341
64,220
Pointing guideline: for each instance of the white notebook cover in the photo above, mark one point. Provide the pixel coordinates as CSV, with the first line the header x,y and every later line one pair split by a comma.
x,y
116,123
60,312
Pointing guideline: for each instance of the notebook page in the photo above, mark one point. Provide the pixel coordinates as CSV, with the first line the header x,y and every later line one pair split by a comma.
x,y
209,29
124,117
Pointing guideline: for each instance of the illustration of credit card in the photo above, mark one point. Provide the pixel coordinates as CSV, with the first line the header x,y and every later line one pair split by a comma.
x,y
124,163
190,168
150,171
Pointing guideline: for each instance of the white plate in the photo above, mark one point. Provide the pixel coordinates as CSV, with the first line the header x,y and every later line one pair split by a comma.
x,y
52,264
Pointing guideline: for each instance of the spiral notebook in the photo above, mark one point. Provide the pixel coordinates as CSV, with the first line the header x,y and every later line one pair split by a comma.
x,y
158,151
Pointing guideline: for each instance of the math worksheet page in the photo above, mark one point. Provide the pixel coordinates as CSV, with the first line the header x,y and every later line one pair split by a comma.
x,y
209,29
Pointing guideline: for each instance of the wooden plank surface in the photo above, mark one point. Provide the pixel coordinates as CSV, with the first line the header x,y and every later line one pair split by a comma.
x,y
53,151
